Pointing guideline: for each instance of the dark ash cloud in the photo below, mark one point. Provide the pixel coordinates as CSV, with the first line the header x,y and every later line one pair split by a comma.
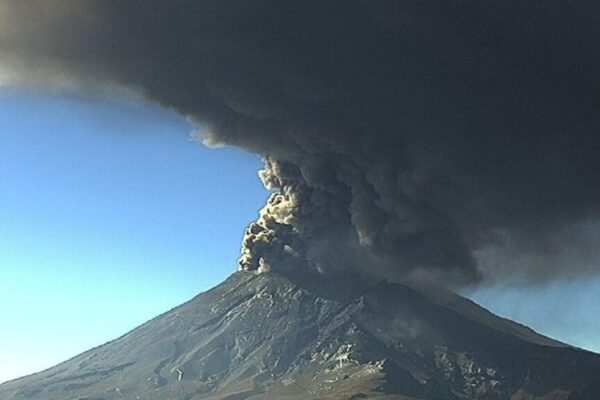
x,y
457,140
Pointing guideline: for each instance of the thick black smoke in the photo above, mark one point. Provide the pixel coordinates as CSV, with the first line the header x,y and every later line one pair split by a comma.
x,y
457,139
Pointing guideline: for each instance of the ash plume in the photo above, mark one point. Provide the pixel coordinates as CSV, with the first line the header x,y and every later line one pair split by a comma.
x,y
456,141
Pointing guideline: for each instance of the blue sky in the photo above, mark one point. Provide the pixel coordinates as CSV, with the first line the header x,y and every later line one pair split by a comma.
x,y
568,311
110,215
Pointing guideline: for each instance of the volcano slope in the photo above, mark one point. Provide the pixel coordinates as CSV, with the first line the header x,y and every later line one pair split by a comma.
x,y
270,336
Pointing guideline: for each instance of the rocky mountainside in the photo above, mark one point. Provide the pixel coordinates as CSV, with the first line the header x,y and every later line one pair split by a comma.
x,y
273,337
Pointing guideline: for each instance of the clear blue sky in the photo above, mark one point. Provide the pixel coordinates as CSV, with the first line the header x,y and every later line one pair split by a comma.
x,y
110,215
568,311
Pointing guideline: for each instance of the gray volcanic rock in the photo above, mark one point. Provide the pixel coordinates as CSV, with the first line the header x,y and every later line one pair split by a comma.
x,y
274,337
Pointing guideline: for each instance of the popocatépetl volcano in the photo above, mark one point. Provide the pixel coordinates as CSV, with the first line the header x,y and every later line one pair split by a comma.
x,y
268,336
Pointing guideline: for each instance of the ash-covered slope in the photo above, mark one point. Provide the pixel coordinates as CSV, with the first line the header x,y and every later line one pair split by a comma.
x,y
269,337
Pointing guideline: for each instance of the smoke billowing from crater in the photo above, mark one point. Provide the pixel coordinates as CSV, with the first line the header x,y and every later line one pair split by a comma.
x,y
453,140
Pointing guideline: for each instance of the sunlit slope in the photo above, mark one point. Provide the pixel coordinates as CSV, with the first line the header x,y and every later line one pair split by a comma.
x,y
269,337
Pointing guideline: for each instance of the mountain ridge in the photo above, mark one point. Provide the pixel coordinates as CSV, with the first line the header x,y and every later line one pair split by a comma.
x,y
266,336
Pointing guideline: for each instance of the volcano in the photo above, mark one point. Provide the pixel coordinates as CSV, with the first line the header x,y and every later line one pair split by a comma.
x,y
275,336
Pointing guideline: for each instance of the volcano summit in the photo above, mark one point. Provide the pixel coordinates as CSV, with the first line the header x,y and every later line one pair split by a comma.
x,y
268,336
445,143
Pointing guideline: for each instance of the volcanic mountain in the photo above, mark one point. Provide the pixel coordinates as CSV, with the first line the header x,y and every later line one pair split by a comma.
x,y
274,336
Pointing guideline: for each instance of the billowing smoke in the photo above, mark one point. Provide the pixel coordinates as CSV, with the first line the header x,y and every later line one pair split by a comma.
x,y
449,140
